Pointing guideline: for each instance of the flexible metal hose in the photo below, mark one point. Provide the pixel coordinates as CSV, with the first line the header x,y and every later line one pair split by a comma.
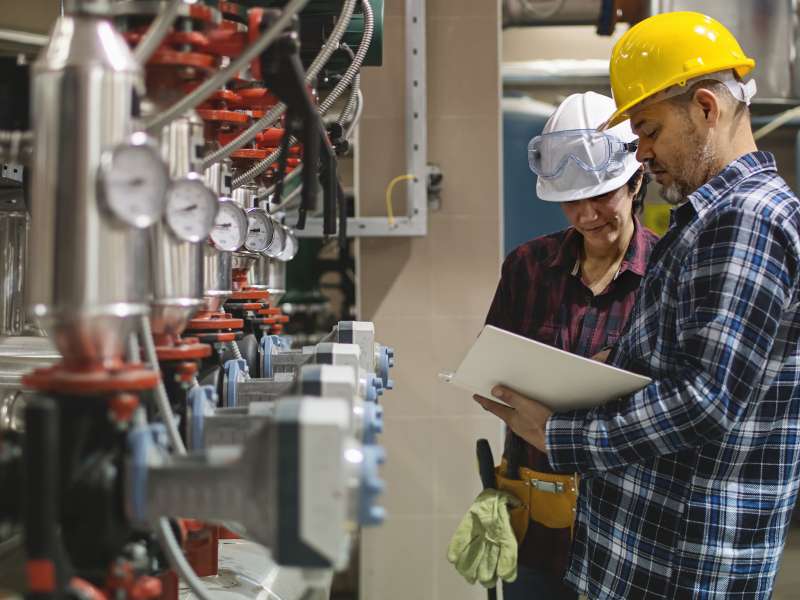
x,y
358,61
356,117
178,561
210,85
158,29
162,401
16,147
277,111
352,102
341,86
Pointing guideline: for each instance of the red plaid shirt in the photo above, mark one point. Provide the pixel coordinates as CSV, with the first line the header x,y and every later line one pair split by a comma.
x,y
541,296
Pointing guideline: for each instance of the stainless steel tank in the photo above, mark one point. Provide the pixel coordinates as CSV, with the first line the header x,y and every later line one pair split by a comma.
x,y
177,265
270,274
246,197
13,251
767,31
218,277
87,273
217,264
20,355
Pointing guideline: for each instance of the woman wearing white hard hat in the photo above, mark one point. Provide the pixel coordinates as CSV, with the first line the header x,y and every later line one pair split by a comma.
x,y
573,289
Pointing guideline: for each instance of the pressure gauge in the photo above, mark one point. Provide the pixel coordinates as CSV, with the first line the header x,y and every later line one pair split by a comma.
x,y
133,181
191,208
291,245
259,230
230,227
278,244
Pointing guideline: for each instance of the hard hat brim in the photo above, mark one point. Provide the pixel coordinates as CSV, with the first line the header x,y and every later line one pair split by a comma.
x,y
623,113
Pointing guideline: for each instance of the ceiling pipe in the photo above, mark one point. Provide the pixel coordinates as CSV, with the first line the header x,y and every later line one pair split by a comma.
x,y
603,14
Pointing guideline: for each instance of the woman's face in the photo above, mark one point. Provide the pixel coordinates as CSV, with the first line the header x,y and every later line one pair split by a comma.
x,y
602,220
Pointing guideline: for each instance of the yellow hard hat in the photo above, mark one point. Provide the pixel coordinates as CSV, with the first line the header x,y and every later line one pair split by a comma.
x,y
669,49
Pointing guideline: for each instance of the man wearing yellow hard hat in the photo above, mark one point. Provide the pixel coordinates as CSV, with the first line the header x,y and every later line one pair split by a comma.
x,y
687,486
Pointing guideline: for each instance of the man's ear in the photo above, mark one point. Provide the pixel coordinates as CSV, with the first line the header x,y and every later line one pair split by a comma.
x,y
709,105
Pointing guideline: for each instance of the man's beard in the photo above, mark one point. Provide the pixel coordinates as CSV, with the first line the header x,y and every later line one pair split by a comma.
x,y
701,160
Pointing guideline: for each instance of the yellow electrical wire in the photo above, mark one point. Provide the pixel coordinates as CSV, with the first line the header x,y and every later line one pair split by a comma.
x,y
389,189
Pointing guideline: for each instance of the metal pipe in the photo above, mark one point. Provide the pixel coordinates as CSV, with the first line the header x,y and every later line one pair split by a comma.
x,y
528,13
158,29
275,112
210,85
178,561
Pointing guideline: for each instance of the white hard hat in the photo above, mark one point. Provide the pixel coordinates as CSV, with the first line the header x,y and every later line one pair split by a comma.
x,y
573,160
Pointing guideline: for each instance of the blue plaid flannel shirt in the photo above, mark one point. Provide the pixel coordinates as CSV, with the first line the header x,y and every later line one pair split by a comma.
x,y
688,485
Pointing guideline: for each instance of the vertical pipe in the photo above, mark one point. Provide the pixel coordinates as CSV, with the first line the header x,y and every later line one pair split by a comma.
x,y
42,546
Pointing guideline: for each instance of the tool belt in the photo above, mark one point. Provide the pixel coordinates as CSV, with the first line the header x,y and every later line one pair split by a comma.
x,y
547,498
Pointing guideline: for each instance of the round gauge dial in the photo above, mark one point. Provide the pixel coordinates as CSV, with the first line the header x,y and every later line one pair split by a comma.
x,y
191,209
259,230
290,247
133,182
278,244
230,227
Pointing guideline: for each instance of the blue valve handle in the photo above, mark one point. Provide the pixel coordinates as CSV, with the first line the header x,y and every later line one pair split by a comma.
x,y
235,371
200,399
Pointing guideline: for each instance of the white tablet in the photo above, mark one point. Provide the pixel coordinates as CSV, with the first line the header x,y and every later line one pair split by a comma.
x,y
559,379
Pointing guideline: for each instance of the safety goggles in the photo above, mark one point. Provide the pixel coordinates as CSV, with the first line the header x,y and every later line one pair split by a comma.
x,y
591,150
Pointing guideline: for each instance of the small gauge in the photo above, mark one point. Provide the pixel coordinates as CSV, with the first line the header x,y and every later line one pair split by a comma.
x,y
278,244
260,230
191,208
291,245
230,227
133,182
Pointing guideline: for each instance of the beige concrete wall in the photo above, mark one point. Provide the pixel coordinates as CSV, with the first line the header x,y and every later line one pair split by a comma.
x,y
35,16
428,296
540,43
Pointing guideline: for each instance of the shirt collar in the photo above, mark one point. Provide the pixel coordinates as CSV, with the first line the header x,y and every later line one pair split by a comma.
x,y
569,252
721,184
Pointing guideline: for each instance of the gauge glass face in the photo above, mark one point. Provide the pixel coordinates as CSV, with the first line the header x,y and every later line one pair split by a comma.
x,y
134,184
259,230
230,227
278,242
291,245
191,209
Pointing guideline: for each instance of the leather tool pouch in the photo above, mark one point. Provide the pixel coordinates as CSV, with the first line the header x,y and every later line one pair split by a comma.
x,y
547,498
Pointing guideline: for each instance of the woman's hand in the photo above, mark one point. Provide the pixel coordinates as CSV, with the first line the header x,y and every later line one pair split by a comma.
x,y
526,417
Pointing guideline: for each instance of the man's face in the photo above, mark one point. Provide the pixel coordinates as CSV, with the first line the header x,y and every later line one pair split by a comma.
x,y
676,150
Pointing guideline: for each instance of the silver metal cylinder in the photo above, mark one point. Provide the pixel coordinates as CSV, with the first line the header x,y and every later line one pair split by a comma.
x,y
22,354
13,251
246,196
217,264
217,272
270,274
87,271
177,265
